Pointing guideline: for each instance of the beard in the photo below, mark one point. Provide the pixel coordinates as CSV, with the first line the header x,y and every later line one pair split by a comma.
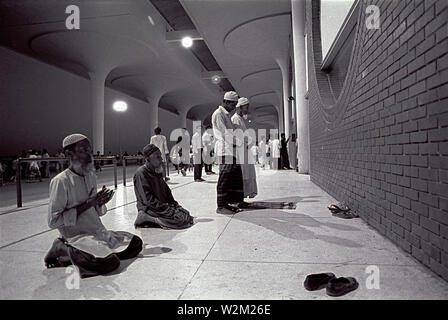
x,y
83,168
159,170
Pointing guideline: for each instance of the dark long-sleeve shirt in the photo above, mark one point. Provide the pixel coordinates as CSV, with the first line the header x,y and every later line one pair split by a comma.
x,y
152,192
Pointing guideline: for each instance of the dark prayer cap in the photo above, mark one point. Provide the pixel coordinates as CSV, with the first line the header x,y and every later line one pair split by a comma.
x,y
149,149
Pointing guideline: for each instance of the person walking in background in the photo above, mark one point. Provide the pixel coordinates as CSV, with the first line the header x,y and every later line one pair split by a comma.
x,y
45,169
292,151
262,152
160,142
140,154
34,169
176,156
275,153
97,162
254,151
196,142
60,163
284,157
269,153
207,141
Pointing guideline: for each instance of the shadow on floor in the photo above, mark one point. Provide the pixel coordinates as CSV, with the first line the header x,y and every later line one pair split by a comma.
x,y
294,199
293,225
154,251
204,220
159,238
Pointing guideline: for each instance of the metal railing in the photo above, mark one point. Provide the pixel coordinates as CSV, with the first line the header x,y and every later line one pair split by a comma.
x,y
53,159
124,164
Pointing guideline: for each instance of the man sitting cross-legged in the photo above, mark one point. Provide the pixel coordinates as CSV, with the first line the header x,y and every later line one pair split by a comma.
x,y
155,203
75,208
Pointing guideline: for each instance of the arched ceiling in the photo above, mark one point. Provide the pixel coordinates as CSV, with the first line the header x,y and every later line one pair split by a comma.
x,y
127,41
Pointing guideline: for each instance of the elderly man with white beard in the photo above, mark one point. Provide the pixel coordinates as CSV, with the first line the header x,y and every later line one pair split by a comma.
x,y
75,208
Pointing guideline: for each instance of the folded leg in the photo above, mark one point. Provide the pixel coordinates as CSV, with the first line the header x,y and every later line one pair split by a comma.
x,y
133,249
57,256
90,265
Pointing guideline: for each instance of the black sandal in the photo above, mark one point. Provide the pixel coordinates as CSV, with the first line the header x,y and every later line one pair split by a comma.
x,y
346,215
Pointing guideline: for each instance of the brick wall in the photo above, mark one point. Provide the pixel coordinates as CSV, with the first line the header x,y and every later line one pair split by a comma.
x,y
382,145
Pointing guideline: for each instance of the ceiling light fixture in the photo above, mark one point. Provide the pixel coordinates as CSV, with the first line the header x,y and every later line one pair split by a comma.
x,y
216,79
120,106
187,42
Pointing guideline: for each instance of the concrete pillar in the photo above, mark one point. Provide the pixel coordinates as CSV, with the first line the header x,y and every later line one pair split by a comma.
x,y
293,107
303,128
283,64
97,100
153,102
281,128
280,110
183,118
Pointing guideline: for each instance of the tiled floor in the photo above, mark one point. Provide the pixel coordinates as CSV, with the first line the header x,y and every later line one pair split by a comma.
x,y
263,254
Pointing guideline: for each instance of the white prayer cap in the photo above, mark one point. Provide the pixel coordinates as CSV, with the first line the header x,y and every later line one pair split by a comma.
x,y
231,96
242,101
72,139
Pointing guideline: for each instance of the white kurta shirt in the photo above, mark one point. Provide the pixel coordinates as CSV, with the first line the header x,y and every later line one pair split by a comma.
x,y
246,159
275,151
207,140
223,133
196,142
86,231
160,142
67,191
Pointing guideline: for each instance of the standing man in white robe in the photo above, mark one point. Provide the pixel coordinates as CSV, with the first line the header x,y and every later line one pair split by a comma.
x,y
196,143
75,208
229,190
159,141
275,153
245,157
262,152
207,141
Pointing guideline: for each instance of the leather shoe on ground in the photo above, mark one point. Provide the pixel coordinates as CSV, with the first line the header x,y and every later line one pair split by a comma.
x,y
317,281
339,286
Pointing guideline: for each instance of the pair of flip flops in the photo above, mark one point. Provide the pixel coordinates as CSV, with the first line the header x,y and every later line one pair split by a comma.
x,y
335,287
341,210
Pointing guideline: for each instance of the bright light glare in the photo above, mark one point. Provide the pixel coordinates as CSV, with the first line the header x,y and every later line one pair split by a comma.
x,y
187,42
216,79
120,106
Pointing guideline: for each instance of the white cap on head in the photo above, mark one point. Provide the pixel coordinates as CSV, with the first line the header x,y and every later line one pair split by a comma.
x,y
231,96
242,101
72,139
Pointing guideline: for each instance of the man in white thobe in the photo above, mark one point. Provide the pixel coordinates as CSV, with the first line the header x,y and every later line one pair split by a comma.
x,y
196,143
207,142
230,188
245,157
75,208
159,141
